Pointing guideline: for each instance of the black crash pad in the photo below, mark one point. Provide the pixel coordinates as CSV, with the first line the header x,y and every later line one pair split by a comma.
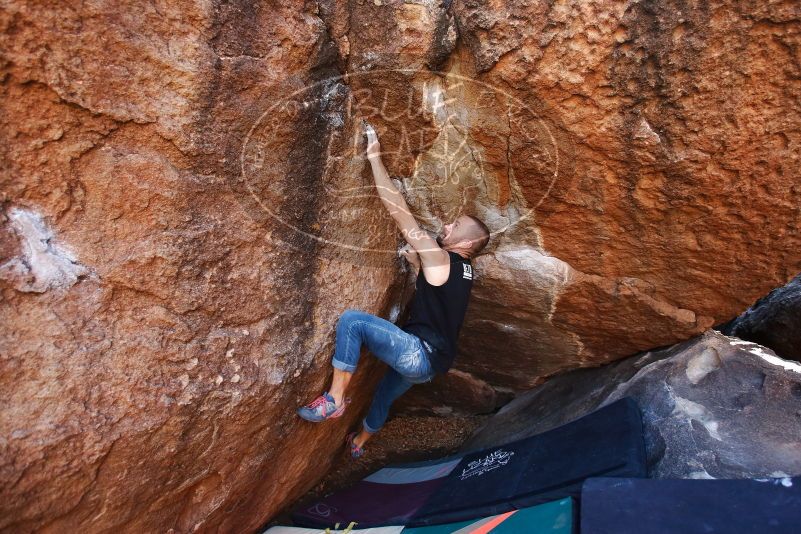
x,y
546,467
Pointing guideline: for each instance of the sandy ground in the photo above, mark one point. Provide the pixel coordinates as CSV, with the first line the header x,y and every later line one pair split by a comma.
x,y
403,439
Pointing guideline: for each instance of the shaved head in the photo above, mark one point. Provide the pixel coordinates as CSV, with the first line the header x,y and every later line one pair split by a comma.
x,y
467,234
479,233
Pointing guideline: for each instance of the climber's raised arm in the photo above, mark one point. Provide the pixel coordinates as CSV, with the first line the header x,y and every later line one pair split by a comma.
x,y
435,261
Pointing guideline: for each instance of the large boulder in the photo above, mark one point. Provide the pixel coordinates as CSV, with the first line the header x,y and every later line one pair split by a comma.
x,y
674,191
159,327
185,213
712,407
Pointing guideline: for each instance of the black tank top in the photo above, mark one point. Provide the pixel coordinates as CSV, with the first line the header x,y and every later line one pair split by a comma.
x,y
437,312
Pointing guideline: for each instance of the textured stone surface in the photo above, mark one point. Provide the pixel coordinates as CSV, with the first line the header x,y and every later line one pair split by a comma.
x,y
774,321
177,241
155,389
712,407
680,191
455,392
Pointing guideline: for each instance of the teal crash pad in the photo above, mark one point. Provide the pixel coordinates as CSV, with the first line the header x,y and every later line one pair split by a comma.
x,y
556,517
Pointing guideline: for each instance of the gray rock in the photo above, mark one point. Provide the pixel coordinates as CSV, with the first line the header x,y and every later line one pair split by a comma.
x,y
713,407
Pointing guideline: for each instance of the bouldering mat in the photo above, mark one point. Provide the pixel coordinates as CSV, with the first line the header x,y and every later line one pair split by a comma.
x,y
557,517
301,530
664,506
546,467
390,496
541,468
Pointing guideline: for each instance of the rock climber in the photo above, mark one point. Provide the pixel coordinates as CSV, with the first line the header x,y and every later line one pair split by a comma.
x,y
426,344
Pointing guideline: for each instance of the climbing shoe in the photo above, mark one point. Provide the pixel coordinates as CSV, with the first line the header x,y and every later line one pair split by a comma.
x,y
355,450
322,408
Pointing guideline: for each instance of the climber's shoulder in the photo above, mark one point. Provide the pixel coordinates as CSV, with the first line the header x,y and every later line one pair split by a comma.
x,y
436,266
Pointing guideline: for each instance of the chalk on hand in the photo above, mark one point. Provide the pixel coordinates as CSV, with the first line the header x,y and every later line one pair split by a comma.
x,y
368,129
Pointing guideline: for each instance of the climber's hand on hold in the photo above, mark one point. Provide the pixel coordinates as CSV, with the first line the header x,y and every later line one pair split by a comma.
x,y
373,146
408,252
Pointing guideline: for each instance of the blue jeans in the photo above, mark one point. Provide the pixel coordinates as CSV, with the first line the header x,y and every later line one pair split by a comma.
x,y
403,352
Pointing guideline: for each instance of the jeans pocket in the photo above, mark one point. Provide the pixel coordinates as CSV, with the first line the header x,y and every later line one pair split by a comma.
x,y
414,363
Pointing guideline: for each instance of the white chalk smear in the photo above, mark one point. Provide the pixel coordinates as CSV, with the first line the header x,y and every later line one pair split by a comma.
x,y
41,264
698,412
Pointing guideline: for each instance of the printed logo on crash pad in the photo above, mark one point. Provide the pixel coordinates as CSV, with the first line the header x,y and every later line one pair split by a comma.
x,y
468,271
493,460
322,509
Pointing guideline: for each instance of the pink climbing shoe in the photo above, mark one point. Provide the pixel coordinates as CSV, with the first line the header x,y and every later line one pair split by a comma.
x,y
355,450
322,408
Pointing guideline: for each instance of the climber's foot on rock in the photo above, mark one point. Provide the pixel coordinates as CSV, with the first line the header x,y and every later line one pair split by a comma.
x,y
322,408
355,450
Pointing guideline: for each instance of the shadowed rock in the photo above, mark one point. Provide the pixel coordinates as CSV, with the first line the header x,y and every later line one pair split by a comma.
x,y
773,321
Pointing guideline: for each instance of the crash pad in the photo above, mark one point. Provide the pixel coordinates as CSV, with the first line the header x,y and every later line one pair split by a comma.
x,y
534,470
541,468
390,496
557,517
665,506
301,530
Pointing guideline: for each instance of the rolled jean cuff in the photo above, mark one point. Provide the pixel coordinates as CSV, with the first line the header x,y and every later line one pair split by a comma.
x,y
347,367
367,428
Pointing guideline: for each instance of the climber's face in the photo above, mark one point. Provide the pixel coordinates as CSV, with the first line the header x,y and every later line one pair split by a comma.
x,y
458,230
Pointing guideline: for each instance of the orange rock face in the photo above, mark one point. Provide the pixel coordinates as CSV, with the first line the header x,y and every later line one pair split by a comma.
x,y
186,212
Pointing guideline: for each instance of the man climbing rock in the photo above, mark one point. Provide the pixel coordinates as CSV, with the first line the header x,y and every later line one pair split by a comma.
x,y
426,345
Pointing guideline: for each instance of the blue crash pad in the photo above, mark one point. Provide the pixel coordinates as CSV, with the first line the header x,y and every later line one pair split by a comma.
x,y
636,506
